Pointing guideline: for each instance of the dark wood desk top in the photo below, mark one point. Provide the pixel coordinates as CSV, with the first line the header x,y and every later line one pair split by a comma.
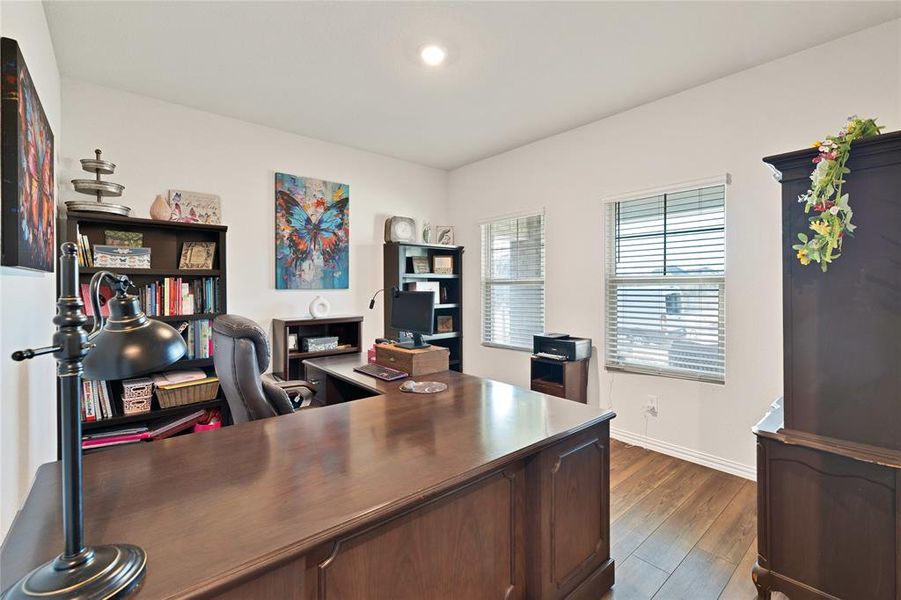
x,y
292,482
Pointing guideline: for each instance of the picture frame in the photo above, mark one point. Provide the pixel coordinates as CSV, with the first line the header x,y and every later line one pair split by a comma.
x,y
312,233
444,235
445,324
443,264
292,342
197,255
29,183
420,264
194,207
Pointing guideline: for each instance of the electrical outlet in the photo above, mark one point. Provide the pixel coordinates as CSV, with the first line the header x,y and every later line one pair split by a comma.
x,y
650,407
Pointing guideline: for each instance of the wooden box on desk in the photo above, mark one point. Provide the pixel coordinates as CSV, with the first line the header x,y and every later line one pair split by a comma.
x,y
420,361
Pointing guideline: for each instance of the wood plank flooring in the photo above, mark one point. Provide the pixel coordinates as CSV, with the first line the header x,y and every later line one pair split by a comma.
x,y
679,531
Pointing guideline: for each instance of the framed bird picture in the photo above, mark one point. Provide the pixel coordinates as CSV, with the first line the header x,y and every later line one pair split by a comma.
x,y
312,233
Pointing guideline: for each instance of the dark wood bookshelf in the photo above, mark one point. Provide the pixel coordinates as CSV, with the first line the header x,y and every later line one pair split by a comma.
x,y
165,240
431,275
287,361
398,273
156,272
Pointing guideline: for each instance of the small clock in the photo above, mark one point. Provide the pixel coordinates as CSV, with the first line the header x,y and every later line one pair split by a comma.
x,y
400,229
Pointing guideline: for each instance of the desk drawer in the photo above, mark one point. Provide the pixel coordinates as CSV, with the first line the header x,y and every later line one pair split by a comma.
x,y
316,379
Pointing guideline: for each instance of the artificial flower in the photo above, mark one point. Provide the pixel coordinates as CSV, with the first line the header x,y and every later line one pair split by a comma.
x,y
821,227
825,193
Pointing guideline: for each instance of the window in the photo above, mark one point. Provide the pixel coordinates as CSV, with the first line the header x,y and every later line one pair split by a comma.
x,y
665,284
513,281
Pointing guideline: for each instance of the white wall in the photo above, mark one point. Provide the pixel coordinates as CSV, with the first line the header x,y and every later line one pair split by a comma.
x,y
725,126
27,302
158,146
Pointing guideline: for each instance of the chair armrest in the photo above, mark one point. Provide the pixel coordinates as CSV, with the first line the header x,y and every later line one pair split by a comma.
x,y
292,385
298,392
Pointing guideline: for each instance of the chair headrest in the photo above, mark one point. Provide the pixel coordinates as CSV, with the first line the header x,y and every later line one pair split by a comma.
x,y
237,327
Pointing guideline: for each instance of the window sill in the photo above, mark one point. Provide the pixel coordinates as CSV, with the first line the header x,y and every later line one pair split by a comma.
x,y
506,347
662,373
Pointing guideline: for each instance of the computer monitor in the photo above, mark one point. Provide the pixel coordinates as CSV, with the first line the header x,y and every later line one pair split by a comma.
x,y
413,312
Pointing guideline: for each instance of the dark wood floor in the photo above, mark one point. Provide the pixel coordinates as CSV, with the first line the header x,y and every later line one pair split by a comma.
x,y
679,530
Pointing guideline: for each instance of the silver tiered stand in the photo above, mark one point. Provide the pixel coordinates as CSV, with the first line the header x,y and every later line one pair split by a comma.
x,y
99,188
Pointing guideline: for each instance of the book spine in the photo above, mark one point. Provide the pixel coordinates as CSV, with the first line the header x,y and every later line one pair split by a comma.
x,y
95,399
87,402
105,397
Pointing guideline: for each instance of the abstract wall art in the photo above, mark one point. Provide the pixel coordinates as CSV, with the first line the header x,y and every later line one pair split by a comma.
x,y
312,233
27,155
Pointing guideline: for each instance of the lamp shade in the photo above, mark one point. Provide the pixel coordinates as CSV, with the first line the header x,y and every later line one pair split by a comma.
x,y
129,344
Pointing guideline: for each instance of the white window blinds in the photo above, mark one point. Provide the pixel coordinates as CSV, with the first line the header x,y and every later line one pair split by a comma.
x,y
665,284
513,281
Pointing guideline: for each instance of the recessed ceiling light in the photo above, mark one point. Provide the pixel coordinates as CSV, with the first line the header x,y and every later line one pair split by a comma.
x,y
432,54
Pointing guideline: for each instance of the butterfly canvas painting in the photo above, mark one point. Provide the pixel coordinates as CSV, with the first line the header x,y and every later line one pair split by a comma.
x,y
27,157
312,233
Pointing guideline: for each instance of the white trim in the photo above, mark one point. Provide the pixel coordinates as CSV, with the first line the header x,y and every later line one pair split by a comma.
x,y
695,456
535,212
507,347
682,186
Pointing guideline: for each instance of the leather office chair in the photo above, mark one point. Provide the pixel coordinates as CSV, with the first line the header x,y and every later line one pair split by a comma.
x,y
241,355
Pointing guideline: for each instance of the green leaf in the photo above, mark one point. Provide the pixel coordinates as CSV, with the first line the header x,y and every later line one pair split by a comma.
x,y
803,237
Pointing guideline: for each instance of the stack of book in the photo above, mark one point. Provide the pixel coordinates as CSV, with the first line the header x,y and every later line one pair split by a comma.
x,y
97,401
85,257
199,337
115,437
172,296
157,431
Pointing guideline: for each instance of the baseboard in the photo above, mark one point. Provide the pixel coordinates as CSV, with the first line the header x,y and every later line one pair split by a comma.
x,y
701,458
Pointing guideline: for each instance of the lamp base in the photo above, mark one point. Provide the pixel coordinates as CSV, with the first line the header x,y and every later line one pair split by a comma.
x,y
98,572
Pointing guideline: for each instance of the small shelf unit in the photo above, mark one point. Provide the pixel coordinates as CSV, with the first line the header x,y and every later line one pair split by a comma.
x,y
398,273
165,240
287,359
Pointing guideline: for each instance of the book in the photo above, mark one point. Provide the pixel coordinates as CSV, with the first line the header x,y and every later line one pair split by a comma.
x,y
115,432
172,426
184,384
175,377
95,399
114,440
105,400
106,293
87,402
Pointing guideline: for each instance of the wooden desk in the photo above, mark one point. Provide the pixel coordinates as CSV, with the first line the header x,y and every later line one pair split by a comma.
x,y
482,491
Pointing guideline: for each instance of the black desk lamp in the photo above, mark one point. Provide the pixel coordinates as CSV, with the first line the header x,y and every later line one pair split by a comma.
x,y
126,344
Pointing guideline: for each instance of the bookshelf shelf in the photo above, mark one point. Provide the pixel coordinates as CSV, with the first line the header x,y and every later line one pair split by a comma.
x,y
183,273
442,336
176,318
166,241
431,276
154,414
321,353
191,363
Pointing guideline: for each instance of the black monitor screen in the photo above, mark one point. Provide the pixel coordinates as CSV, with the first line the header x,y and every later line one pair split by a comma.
x,y
413,312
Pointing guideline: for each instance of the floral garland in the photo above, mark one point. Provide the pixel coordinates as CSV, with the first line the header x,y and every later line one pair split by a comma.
x,y
833,214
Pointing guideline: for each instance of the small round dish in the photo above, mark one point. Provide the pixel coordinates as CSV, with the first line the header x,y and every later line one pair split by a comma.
x,y
423,387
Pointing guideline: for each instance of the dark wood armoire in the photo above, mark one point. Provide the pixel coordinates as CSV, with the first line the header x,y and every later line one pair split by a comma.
x,y
829,452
